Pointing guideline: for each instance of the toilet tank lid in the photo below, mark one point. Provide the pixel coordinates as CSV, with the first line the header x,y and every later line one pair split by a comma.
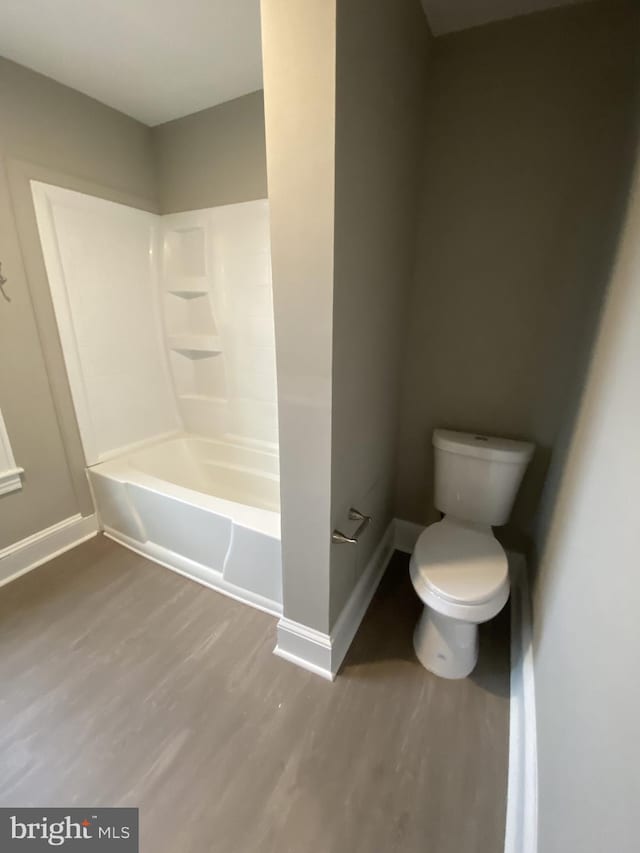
x,y
483,446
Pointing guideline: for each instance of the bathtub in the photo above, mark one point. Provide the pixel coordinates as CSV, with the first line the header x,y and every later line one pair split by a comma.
x,y
205,508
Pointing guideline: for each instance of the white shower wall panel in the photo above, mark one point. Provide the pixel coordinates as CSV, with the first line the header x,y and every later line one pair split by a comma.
x,y
166,322
220,260
242,269
101,263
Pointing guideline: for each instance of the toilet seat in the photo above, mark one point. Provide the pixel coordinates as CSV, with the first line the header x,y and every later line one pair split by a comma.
x,y
461,570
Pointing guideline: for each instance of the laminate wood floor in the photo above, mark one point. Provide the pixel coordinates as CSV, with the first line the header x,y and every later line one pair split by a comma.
x,y
123,683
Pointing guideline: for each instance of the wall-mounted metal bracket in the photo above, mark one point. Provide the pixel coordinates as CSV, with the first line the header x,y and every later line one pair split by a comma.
x,y
339,538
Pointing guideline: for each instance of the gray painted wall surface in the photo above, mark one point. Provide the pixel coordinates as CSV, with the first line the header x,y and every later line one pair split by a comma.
x,y
587,597
341,271
528,151
51,133
298,46
213,157
381,72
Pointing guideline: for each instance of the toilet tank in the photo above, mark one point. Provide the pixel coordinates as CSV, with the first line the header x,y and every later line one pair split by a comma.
x,y
477,477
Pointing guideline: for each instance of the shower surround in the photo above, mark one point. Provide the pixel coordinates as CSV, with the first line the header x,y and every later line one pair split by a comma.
x,y
166,325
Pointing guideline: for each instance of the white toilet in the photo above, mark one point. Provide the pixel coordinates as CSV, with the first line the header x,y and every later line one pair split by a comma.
x,y
458,567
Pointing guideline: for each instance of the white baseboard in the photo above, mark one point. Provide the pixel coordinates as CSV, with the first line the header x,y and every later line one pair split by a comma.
x,y
195,571
352,614
43,546
11,480
521,833
322,653
304,646
406,535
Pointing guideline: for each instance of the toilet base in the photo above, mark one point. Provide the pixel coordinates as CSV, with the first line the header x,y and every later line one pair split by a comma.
x,y
445,646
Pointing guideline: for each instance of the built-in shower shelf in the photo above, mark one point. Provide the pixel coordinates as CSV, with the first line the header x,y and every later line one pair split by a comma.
x,y
201,398
195,346
187,286
186,292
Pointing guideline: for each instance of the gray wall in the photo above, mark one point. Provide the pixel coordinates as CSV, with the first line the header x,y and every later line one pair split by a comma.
x,y
213,157
298,47
381,71
51,133
587,597
344,110
529,141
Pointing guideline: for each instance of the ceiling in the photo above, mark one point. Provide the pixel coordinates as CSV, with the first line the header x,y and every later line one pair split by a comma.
x,y
158,60
154,60
447,16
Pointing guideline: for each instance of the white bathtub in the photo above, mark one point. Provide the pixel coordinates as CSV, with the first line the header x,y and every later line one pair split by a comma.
x,y
207,509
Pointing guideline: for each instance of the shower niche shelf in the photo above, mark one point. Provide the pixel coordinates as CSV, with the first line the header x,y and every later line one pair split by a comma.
x,y
188,287
202,398
195,346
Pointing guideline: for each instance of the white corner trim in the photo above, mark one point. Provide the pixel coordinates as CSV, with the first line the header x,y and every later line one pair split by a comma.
x,y
10,473
521,832
29,553
322,653
406,535
304,646
10,480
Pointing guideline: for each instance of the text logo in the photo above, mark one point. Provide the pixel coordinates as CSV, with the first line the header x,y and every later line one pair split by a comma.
x,y
75,829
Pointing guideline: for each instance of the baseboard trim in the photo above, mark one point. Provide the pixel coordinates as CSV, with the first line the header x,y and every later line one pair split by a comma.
x,y
304,646
521,831
11,480
29,553
406,535
322,653
353,612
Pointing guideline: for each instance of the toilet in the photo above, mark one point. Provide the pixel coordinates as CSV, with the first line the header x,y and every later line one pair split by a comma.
x,y
458,567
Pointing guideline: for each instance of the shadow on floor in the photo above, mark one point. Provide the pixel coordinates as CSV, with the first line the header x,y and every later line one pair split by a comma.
x,y
386,633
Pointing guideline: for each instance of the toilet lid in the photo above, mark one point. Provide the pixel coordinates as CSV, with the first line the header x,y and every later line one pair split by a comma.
x,y
461,563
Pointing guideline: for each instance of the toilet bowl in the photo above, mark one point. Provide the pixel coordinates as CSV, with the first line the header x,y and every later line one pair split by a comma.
x,y
460,572
458,568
